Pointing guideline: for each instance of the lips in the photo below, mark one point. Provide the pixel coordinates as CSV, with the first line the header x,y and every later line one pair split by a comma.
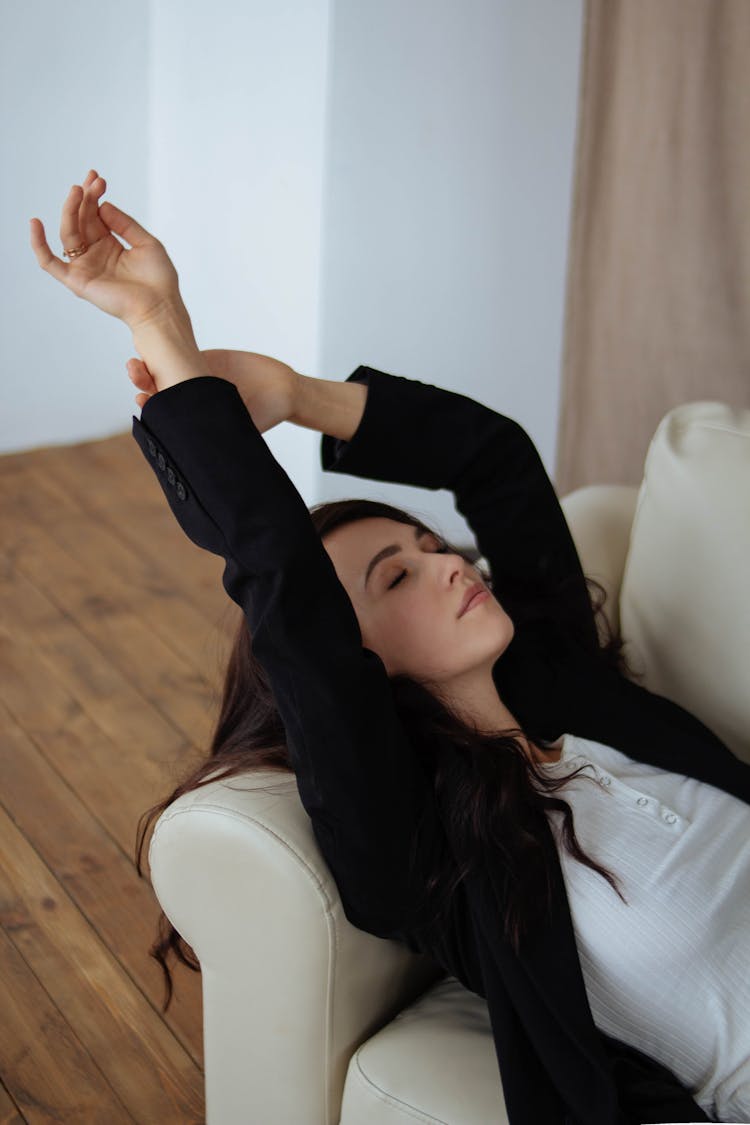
x,y
471,593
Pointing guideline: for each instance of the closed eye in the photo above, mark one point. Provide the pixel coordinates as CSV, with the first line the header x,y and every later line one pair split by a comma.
x,y
439,551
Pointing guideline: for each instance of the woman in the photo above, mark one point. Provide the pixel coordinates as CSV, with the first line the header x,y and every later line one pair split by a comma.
x,y
425,740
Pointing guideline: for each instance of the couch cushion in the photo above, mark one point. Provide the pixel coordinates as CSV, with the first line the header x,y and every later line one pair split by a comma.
x,y
422,1065
685,595
600,517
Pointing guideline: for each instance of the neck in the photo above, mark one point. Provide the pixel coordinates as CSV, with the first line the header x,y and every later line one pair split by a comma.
x,y
476,699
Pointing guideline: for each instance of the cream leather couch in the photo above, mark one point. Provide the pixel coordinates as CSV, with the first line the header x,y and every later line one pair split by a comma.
x,y
310,1021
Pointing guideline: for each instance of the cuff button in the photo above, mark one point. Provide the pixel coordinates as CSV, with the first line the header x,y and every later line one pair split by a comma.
x,y
170,475
181,490
161,461
152,447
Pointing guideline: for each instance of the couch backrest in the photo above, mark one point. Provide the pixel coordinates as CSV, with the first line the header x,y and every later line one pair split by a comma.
x,y
685,594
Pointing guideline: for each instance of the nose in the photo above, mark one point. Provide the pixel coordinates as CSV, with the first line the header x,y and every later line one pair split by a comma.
x,y
456,568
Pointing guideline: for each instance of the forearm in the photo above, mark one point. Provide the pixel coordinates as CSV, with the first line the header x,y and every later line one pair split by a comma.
x,y
328,406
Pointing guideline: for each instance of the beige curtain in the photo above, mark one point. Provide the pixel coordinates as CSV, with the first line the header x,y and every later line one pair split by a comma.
x,y
658,286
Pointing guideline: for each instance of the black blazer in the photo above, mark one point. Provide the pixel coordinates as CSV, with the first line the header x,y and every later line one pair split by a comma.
x,y
351,754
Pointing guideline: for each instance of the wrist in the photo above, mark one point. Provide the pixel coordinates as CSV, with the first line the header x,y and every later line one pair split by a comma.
x,y
166,343
328,406
168,320
297,393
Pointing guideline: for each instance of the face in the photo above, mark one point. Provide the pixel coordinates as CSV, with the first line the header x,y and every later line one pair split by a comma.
x,y
408,608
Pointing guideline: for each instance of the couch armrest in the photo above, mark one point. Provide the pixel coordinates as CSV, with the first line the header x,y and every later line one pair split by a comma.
x,y
600,518
290,987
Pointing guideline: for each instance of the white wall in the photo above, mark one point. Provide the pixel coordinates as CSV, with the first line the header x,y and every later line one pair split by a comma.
x,y
337,182
207,121
74,93
237,145
448,191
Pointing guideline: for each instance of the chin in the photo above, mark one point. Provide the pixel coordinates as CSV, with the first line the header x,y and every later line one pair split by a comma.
x,y
509,634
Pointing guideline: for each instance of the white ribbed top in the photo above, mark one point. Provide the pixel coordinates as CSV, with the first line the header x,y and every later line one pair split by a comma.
x,y
670,972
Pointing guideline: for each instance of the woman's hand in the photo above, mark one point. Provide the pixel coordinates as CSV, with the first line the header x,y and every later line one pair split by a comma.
x,y
138,285
267,386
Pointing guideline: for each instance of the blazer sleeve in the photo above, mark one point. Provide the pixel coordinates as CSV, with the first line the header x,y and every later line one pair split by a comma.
x,y
358,777
418,434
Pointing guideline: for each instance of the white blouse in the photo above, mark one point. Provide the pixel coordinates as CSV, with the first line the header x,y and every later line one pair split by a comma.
x,y
670,972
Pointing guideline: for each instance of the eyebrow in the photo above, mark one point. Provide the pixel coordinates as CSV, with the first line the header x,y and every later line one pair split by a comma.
x,y
419,532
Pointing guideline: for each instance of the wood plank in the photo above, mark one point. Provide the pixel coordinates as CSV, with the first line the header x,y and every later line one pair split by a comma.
x,y
98,877
12,463
47,1070
10,1114
111,745
112,481
144,545
124,659
102,607
150,1072
114,634
84,751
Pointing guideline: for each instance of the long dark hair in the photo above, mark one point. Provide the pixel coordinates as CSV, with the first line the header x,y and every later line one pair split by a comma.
x,y
495,800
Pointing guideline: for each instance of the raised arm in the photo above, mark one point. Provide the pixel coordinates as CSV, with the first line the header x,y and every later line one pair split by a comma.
x,y
357,773
405,431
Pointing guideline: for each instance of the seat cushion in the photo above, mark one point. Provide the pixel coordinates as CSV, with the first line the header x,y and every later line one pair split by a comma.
x,y
685,595
393,1077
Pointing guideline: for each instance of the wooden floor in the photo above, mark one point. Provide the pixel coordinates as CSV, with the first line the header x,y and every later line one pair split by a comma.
x,y
114,631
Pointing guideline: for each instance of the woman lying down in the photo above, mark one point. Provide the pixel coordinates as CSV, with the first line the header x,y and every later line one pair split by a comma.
x,y
484,778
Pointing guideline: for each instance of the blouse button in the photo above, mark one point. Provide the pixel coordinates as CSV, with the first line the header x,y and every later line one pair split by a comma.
x,y
670,818
605,780
643,800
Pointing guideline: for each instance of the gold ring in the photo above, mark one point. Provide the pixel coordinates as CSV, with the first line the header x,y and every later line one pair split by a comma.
x,y
76,251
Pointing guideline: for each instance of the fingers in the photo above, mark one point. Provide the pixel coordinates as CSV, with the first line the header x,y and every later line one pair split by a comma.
x,y
142,378
89,223
70,232
139,374
47,260
83,219
124,225
80,221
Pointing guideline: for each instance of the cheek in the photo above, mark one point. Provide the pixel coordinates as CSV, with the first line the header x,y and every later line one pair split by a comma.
x,y
421,630
404,626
